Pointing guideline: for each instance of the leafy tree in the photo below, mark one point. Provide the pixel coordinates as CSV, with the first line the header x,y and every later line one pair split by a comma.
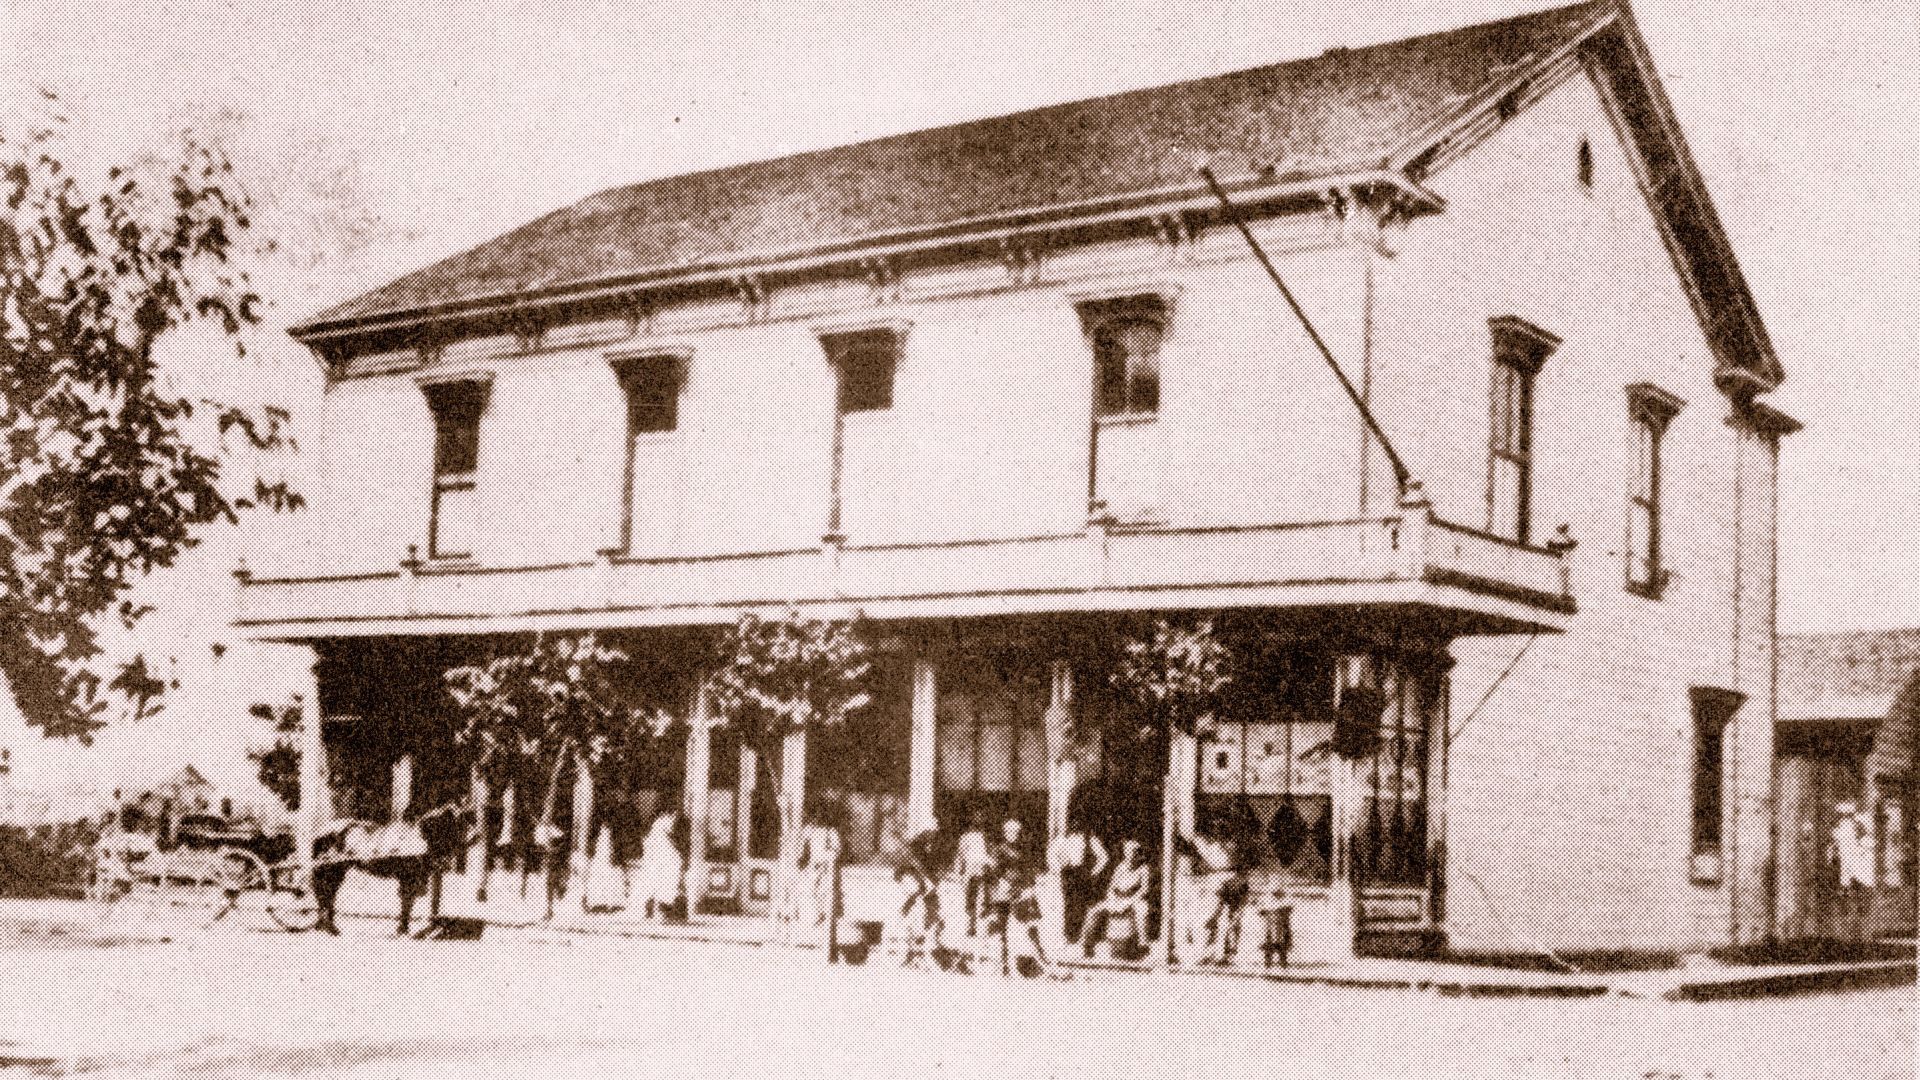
x,y
531,708
278,764
1175,674
107,469
776,679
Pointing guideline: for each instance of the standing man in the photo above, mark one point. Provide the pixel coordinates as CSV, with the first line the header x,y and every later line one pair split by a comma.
x,y
971,864
1007,873
1853,850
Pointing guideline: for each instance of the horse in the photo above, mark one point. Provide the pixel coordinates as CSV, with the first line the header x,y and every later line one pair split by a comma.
x,y
440,834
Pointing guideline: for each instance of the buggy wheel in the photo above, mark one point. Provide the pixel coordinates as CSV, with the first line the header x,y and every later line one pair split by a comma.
x,y
242,879
291,903
108,883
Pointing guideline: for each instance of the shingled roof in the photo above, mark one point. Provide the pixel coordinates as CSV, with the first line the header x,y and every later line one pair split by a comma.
x,y
1343,111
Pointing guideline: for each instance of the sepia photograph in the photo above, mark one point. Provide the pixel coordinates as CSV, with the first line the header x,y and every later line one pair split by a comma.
x,y
1108,538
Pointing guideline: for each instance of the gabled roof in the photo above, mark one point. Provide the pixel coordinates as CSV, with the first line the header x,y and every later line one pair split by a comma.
x,y
1345,112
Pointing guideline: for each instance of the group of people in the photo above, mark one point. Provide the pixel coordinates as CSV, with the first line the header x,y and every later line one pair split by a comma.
x,y
1022,905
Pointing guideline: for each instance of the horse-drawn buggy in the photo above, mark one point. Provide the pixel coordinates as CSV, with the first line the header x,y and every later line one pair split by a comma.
x,y
211,867
202,867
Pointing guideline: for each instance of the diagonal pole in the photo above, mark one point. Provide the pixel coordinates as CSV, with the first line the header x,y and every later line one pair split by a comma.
x,y
1400,474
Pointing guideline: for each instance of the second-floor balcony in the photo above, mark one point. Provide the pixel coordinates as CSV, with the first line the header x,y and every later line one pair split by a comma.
x,y
1411,564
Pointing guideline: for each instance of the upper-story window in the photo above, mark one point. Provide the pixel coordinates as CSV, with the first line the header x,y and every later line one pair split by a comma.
x,y
456,405
651,384
1126,334
652,388
1651,410
865,362
1519,351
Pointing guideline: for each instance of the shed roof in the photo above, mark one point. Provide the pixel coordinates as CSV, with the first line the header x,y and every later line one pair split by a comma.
x,y
1851,675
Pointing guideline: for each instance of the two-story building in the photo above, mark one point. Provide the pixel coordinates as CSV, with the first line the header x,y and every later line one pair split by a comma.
x,y
1009,387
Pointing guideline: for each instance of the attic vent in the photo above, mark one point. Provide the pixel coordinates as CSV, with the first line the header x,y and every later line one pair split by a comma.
x,y
1586,163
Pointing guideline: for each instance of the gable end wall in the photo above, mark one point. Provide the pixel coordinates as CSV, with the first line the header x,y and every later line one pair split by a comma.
x,y
1570,789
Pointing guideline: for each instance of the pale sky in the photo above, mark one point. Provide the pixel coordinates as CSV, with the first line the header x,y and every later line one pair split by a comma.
x,y
396,134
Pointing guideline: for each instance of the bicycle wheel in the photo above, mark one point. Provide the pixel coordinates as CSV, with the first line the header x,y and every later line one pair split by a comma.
x,y
290,902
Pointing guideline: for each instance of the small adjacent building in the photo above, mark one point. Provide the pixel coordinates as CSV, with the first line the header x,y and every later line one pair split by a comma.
x,y
1849,712
1011,388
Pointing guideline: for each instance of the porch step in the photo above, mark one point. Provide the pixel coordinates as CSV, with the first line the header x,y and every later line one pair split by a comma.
x,y
1400,943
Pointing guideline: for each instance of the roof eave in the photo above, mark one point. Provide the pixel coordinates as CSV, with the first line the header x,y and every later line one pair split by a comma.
x,y
1771,373
1146,204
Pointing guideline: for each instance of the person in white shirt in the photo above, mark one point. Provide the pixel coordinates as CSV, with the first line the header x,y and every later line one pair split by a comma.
x,y
662,864
1125,902
1853,852
819,854
971,864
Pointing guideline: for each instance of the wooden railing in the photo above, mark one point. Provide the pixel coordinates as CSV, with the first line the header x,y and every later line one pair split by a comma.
x,y
1105,567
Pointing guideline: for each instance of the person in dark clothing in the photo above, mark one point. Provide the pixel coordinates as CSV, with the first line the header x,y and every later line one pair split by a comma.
x,y
1007,864
1230,900
918,862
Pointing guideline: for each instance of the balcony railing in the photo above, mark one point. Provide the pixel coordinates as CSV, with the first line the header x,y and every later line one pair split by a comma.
x,y
1411,559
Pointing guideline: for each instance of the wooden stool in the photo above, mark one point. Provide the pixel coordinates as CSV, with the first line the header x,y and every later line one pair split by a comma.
x,y
1279,940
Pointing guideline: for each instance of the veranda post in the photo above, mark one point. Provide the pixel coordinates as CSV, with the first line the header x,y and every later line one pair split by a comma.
x,y
1175,675
778,677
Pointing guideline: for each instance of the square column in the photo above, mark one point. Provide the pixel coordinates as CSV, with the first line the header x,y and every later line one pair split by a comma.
x,y
920,772
480,852
579,862
400,799
743,804
1063,768
699,769
314,811
1357,671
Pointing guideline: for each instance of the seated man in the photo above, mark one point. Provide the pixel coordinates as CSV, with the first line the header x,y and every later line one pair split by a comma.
x,y
1125,902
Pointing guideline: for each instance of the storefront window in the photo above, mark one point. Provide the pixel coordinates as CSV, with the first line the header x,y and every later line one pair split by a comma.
x,y
1266,773
1264,768
1391,847
992,748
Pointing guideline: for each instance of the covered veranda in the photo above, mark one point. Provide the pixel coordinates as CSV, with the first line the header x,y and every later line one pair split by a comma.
x,y
973,722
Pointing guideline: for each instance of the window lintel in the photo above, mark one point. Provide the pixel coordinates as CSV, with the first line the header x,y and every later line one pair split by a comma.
x,y
1151,299
1653,405
1715,704
1527,345
831,332
447,389
633,365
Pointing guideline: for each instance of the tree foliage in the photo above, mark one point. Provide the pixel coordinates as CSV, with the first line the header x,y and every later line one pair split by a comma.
x,y
278,763
531,707
1175,673
791,673
106,471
